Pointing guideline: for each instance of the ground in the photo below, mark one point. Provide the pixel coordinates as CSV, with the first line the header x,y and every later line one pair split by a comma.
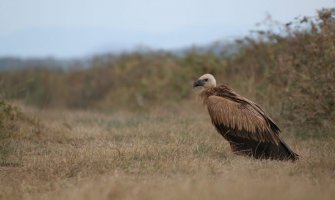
x,y
159,154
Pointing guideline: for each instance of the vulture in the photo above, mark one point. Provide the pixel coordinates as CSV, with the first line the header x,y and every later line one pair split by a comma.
x,y
245,125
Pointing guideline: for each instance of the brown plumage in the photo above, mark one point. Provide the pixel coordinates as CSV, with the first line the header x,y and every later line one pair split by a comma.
x,y
248,129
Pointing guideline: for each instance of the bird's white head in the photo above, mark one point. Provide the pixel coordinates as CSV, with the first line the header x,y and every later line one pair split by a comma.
x,y
206,81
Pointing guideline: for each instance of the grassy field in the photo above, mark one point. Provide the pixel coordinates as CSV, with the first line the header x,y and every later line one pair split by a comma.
x,y
129,127
166,153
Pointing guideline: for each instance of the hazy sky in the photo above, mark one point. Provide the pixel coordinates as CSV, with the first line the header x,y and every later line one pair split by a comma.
x,y
74,28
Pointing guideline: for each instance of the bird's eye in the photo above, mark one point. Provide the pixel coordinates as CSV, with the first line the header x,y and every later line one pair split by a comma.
x,y
206,79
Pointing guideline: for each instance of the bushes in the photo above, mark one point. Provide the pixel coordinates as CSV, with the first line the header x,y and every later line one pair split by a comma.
x,y
15,123
9,115
291,74
299,71
130,80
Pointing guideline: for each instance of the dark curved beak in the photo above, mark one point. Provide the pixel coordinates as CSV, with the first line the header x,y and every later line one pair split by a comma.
x,y
198,83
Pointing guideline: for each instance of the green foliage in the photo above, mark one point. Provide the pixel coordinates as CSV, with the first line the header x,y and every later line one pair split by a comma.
x,y
9,118
14,123
9,115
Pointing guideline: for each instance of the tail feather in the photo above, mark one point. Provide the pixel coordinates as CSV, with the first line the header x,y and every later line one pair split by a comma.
x,y
291,154
262,150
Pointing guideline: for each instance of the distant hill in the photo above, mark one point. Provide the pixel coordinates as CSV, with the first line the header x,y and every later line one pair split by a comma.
x,y
220,48
9,63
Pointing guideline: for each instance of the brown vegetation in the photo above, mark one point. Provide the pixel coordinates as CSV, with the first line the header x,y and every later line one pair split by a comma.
x,y
164,154
143,136
291,74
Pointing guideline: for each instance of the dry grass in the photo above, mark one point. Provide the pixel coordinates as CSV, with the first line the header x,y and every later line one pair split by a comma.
x,y
163,154
171,152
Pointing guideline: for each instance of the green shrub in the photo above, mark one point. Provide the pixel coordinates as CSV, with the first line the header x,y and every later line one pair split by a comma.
x,y
9,116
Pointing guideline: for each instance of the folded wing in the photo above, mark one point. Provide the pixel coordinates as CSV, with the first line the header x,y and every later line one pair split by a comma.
x,y
242,118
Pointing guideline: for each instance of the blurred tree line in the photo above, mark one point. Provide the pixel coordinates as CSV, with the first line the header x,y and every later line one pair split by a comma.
x,y
290,72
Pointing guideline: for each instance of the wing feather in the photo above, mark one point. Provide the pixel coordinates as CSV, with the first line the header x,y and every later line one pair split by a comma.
x,y
242,118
